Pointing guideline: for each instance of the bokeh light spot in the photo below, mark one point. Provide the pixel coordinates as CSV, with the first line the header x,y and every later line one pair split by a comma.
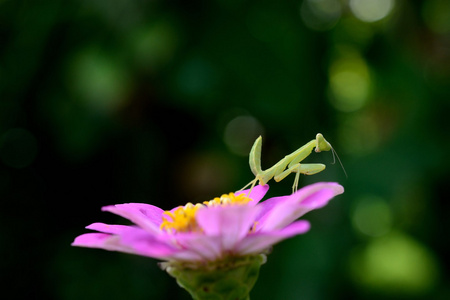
x,y
437,15
372,216
350,83
371,10
320,14
100,82
18,148
240,134
154,45
204,174
395,264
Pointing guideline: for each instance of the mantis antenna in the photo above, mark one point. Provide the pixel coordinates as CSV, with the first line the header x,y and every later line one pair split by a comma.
x,y
289,164
340,162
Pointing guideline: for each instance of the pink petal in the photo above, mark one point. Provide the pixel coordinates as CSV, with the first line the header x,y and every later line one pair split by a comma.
x,y
147,244
147,216
165,247
258,192
281,211
208,247
102,241
230,223
260,241
266,206
112,229
131,237
127,239
318,202
184,255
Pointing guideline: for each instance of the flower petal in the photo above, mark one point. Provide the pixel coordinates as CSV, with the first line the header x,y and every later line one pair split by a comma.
x,y
167,246
111,229
269,204
208,247
102,241
257,193
147,216
260,241
230,223
281,211
127,239
160,247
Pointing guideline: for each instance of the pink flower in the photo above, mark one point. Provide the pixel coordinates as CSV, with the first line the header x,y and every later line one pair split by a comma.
x,y
232,225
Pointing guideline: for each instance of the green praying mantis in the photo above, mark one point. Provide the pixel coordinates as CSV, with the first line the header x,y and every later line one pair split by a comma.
x,y
289,164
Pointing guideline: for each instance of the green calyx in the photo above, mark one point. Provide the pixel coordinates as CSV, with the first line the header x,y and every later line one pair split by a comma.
x,y
230,279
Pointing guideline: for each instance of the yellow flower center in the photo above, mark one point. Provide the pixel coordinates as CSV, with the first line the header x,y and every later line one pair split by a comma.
x,y
228,199
182,219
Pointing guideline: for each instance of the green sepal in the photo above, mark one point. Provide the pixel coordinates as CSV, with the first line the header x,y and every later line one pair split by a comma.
x,y
230,279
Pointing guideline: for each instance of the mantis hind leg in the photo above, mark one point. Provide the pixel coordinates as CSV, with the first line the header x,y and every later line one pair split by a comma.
x,y
297,168
297,178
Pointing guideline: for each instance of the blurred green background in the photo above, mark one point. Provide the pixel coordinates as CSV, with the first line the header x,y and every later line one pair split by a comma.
x,y
114,101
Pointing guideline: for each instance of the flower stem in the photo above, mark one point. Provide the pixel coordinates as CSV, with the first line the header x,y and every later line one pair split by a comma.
x,y
230,279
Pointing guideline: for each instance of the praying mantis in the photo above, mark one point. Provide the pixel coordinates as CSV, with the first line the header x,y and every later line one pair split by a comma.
x,y
289,164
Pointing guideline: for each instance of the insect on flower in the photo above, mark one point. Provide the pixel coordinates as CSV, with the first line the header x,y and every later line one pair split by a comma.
x,y
215,249
235,224
289,164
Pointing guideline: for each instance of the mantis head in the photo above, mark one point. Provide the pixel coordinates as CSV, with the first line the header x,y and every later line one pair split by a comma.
x,y
322,144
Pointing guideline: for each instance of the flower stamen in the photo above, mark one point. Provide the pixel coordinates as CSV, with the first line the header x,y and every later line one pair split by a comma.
x,y
182,219
227,199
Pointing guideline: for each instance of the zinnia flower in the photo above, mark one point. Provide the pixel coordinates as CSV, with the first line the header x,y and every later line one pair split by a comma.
x,y
223,235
